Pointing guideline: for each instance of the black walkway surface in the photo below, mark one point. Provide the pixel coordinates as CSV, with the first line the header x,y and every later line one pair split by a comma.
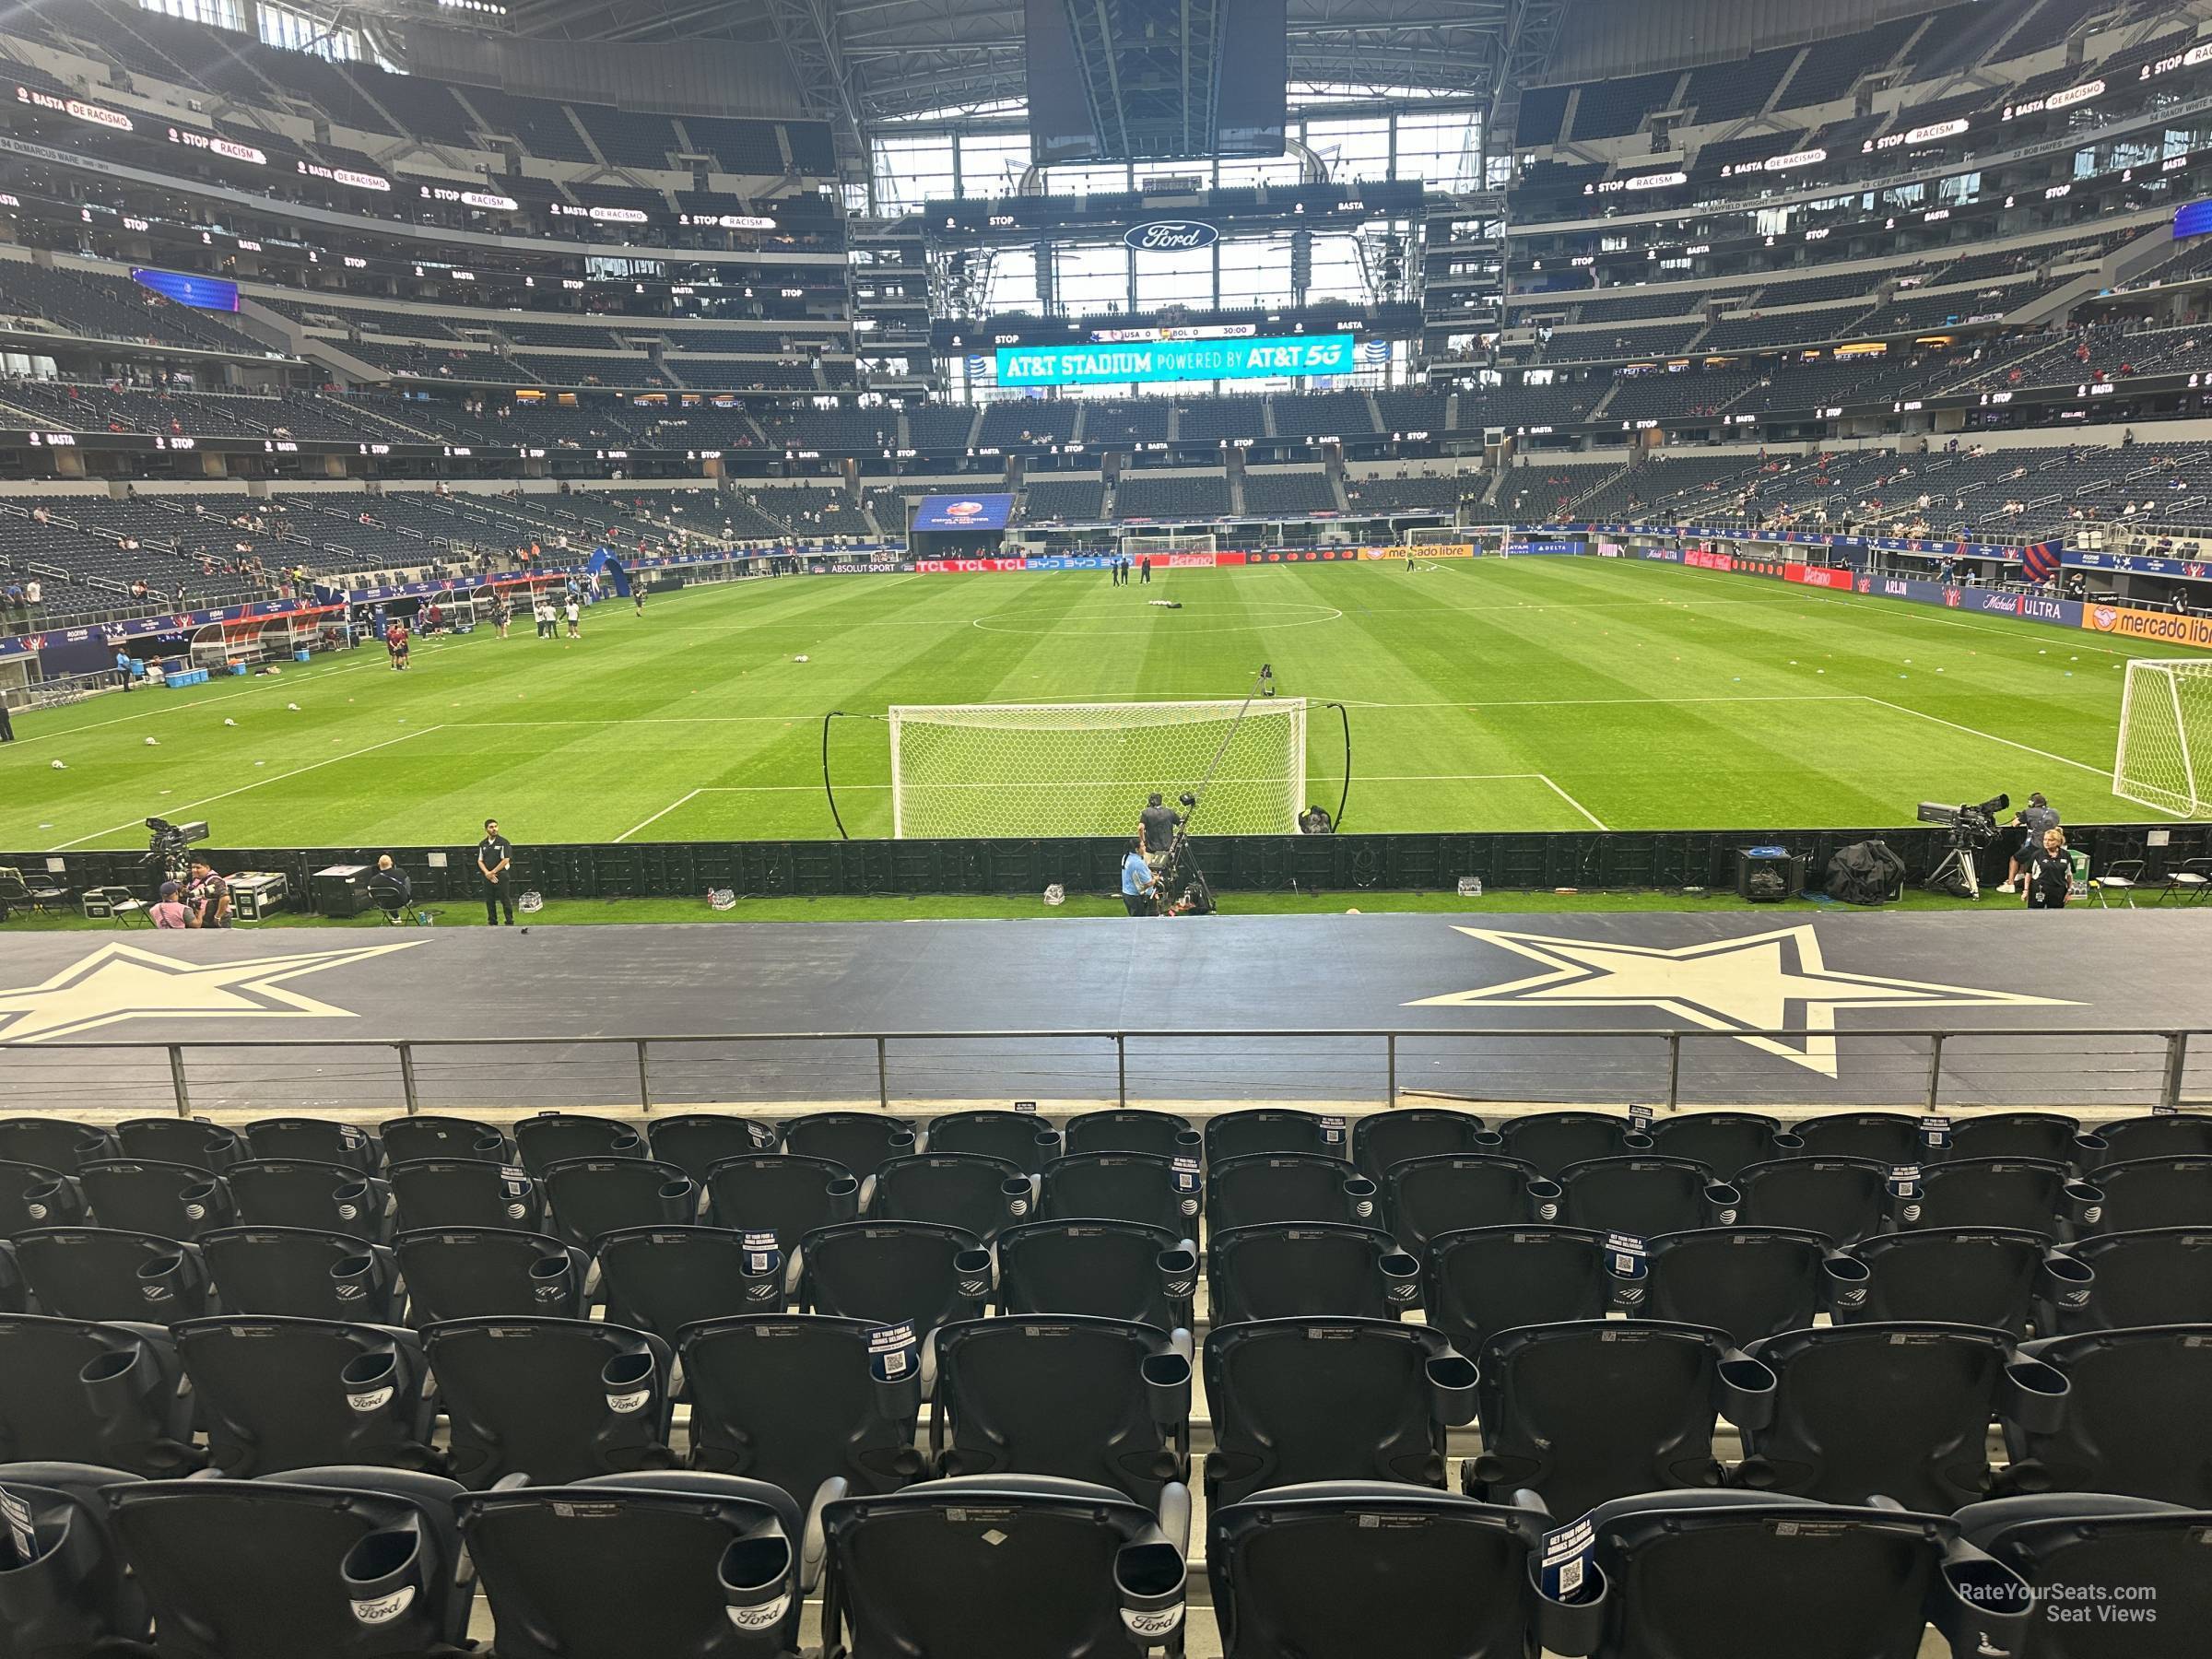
x,y
345,991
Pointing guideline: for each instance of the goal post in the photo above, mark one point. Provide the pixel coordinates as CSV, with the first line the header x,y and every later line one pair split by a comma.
x,y
1138,545
1085,769
1441,536
2165,756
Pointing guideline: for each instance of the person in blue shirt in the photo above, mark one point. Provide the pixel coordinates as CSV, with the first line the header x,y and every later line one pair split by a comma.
x,y
1139,883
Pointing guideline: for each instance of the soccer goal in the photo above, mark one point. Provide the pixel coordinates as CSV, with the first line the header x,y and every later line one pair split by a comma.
x,y
2165,758
1138,547
1085,769
1441,536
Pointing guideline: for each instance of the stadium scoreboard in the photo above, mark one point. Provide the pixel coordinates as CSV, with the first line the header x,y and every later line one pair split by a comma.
x,y
1106,362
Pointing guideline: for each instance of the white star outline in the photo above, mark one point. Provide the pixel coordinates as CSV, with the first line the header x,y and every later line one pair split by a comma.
x,y
120,982
1739,985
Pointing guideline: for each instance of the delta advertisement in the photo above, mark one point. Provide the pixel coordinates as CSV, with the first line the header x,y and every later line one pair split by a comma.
x,y
1121,362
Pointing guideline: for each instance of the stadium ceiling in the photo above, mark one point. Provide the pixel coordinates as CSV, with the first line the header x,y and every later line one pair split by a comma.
x,y
863,61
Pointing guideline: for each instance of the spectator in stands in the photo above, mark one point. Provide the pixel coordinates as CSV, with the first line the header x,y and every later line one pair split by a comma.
x,y
168,911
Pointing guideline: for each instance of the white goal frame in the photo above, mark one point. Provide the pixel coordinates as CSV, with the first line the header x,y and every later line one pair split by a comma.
x,y
2164,759
1118,754
1136,544
1430,536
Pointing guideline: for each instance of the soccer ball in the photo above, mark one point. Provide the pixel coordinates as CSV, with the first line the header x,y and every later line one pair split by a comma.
x,y
153,743
798,659
229,723
59,767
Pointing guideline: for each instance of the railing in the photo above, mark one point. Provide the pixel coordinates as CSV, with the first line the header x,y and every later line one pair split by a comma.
x,y
2116,1068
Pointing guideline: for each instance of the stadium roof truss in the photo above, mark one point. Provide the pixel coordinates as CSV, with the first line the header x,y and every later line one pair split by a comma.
x,y
861,60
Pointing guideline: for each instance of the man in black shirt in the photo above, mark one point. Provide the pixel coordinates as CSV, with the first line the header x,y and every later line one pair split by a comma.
x,y
1156,825
493,854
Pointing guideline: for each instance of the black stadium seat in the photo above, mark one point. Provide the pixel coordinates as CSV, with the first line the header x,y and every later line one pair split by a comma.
x,y
192,1141
1271,1130
2143,1558
591,1197
662,1278
1642,1194
706,1564
319,1140
1844,1199
1486,1279
2161,1134
105,1272
1383,1138
697,1141
343,1563
2031,1195
1983,1276
1297,1269
548,1139
1888,1138
2152,1192
786,1194
1749,1281
476,1272
77,1391
1106,1270
407,1139
178,1201
464,1192
1423,1197
302,1274
894,1272
554,1399
52,1143
35,1196
2160,1275
858,1140
1722,1141
2133,1420
1144,1187
1553,1140
1266,1188
2047,1135
63,1587
291,1192
1131,1129
294,1393
1023,1138
973,1191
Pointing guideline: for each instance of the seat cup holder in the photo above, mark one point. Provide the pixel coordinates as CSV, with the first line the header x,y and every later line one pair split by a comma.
x,y
371,1380
160,1283
844,1198
1401,1280
1149,1578
971,1273
2035,1395
1179,1272
1725,1201
382,1575
1167,1378
1020,1196
1359,1193
2068,1281
53,1203
1486,1142
1787,1144
678,1200
1546,1200
756,1574
552,1280
1451,1380
2084,1204
1635,1141
115,1381
627,1380
203,1202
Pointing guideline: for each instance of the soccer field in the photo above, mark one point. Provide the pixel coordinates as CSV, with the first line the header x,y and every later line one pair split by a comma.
x,y
1490,694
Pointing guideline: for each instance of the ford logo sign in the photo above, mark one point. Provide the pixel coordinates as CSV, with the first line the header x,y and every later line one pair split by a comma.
x,y
1170,236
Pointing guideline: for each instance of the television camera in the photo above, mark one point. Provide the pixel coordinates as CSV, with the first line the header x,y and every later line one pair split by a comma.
x,y
1968,829
170,846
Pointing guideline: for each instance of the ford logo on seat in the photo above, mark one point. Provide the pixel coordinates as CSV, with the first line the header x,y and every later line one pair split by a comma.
x,y
1170,236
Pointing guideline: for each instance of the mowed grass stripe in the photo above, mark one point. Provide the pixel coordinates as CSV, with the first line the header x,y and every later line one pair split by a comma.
x,y
1655,696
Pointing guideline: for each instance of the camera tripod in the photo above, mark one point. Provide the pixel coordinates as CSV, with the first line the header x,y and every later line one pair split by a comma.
x,y
1956,872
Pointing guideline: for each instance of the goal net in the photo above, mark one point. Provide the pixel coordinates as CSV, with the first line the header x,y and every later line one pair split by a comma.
x,y
2165,758
1440,535
1137,547
1085,769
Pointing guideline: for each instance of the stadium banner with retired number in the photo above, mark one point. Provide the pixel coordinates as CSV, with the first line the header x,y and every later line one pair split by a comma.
x,y
2163,627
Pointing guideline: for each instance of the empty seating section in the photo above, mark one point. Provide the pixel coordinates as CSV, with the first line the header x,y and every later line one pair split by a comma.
x,y
1612,108
1754,329
629,138
114,308
1419,492
1730,92
1831,68
940,426
577,369
1222,418
1025,420
1322,415
1126,420
1594,344
1687,395
1289,491
1545,489
1184,497
742,146
1064,501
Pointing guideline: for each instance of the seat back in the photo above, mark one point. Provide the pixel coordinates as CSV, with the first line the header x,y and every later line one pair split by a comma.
x,y
1486,1279
912,1272
466,1192
1722,1141
907,1573
192,1141
971,1191
316,1563
1266,1188
2160,1134
35,1196
1086,1399
289,1192
297,1394
1105,1269
591,1197
410,1139
785,1193
1023,1138
2152,1192
1980,1276
1642,1194
2030,1195
709,1566
300,1273
1266,1130
104,1272
2160,1275
696,1141
1423,1197
64,1589
1335,1399
1844,1199
788,1399
1143,1187
77,1391
1381,1139
1292,1270
554,1399
178,1201
1553,1140
479,1272
52,1143
2046,1135
1131,1129
662,1278
547,1138
2073,1550
318,1140
858,1140
1887,1138
2133,1421
1748,1281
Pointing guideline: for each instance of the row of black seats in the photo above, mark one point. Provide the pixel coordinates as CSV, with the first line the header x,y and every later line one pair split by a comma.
x,y
350,1563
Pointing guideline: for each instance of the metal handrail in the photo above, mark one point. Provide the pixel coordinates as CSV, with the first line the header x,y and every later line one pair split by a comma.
x,y
2176,1041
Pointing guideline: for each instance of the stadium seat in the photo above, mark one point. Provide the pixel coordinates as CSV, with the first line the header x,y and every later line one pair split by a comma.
x,y
971,1191
179,1201
1894,1411
1265,1188
77,1391
592,1196
1590,1410
1085,1399
65,1592
408,1140
699,1140
1023,1138
547,1138
917,1273
1745,1573
662,1278
785,1193
1063,1568
1302,1269
1106,1270
1271,1130
1143,1187
858,1140
1553,1140
1844,1199
1310,1399
707,1565
317,1140
1486,1279
343,1563
1722,1141
464,1192
295,1393
788,1399
1355,1567
2151,1192
2160,1275
1383,1138
14,1297
299,1273
1642,1194
1978,1276
1131,1129
2133,1419
106,1273
1424,1198
289,1192
34,1196
479,1272
1887,1138
1749,1281
176,1140
554,1399
52,1143
2163,1134
2076,1550
2026,1194
2038,1135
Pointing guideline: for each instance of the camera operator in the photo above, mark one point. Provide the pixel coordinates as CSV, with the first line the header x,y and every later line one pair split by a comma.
x,y
1157,825
208,896
2034,821
1140,886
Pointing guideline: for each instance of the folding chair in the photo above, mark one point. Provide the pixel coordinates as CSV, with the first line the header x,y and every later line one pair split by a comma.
x,y
1106,1270
2192,881
2123,877
294,1393
554,1399
63,1580
482,1272
80,1391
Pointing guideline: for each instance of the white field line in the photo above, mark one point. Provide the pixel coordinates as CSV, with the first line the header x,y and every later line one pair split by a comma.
x,y
1571,801
2101,772
184,705
663,813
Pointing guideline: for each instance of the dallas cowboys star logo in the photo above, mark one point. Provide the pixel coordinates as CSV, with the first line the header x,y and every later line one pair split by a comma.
x,y
1760,982
120,982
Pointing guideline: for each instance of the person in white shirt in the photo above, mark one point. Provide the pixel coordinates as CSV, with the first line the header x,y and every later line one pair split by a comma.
x,y
575,613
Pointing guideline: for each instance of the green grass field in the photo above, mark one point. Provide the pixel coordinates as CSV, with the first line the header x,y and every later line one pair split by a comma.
x,y
1529,694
